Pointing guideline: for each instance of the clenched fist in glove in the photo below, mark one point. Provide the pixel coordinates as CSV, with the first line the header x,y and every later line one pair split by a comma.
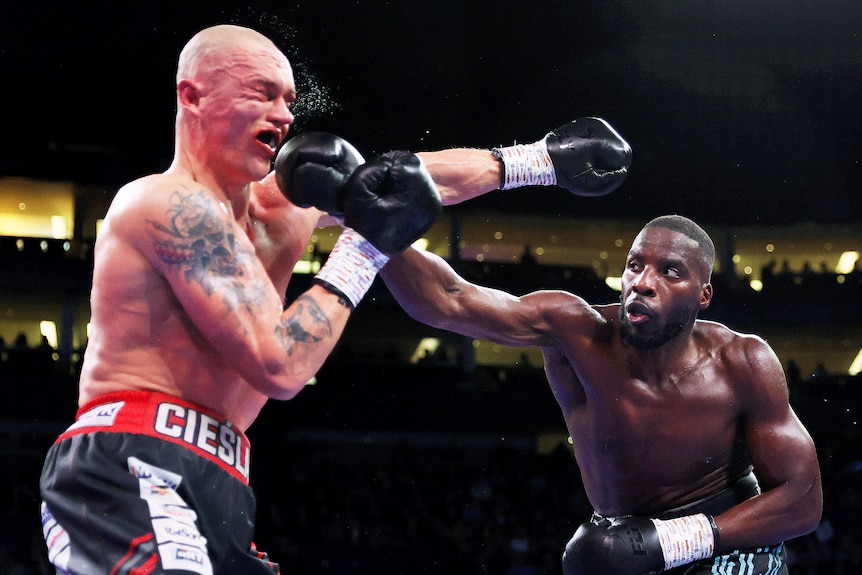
x,y
312,168
586,156
639,545
389,202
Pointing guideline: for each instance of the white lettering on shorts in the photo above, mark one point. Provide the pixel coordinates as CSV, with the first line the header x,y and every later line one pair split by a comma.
x,y
181,545
57,541
101,415
206,433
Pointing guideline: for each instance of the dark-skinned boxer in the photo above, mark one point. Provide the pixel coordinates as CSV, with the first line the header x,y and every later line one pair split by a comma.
x,y
687,446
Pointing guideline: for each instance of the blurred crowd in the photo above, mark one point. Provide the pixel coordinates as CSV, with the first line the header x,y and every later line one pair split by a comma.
x,y
335,503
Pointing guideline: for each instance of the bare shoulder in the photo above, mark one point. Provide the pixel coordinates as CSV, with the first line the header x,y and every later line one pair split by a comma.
x,y
156,196
730,342
748,360
569,316
567,307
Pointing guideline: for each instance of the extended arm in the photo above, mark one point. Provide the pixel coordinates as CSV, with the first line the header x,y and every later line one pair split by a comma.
x,y
431,292
586,157
463,173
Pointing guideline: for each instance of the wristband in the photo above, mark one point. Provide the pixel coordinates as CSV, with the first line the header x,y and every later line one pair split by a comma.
x,y
526,165
351,267
686,539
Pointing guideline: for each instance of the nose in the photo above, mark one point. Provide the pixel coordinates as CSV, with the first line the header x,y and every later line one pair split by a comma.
x,y
643,283
281,114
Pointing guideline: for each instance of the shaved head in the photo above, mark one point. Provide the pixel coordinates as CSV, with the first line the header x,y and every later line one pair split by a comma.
x,y
685,226
211,49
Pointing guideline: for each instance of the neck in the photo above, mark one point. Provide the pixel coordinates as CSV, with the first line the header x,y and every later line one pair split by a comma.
x,y
656,364
235,193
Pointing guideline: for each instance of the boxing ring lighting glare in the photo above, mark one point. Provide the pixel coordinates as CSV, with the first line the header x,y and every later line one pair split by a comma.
x,y
306,267
426,348
856,367
421,244
614,282
59,228
49,330
847,262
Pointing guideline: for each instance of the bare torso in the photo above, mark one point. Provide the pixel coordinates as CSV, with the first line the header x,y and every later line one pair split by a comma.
x,y
643,443
142,338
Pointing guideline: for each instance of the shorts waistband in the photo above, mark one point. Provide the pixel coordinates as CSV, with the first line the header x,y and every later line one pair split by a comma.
x,y
742,490
169,418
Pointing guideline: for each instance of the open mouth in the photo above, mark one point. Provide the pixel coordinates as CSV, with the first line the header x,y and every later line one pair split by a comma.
x,y
638,312
269,138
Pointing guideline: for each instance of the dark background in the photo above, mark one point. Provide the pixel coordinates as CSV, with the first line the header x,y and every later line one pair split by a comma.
x,y
737,111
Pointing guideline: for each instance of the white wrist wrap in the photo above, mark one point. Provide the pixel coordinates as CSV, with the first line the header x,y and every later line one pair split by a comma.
x,y
685,539
352,265
526,165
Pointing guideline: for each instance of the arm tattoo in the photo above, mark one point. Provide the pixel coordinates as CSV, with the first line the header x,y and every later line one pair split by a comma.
x,y
308,324
196,238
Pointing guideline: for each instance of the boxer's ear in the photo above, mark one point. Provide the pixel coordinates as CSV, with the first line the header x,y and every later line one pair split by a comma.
x,y
705,296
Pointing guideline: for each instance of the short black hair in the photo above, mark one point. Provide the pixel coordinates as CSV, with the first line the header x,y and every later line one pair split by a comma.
x,y
690,229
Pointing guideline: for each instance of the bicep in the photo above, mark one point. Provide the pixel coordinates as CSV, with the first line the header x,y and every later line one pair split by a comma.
x,y
431,292
781,449
211,268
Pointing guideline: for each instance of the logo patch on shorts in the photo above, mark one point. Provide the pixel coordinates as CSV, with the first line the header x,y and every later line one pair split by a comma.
x,y
181,545
101,416
56,539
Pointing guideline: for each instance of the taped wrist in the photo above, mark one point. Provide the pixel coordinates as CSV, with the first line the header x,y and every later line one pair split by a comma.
x,y
351,267
686,539
525,165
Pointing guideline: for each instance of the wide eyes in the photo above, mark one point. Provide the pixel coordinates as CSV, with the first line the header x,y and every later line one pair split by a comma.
x,y
672,272
669,271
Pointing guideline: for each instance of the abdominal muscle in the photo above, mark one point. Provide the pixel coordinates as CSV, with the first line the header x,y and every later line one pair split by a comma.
x,y
645,460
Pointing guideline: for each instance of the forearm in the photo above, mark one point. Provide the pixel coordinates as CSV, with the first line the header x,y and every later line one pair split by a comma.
x,y
421,283
777,515
308,332
462,173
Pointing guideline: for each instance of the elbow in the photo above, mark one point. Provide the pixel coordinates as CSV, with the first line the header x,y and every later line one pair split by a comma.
x,y
814,507
281,383
808,509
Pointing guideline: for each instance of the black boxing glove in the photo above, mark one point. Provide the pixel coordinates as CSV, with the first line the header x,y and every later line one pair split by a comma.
x,y
312,168
586,156
391,201
639,545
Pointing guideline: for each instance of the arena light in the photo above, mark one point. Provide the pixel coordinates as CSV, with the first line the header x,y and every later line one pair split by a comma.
x,y
856,367
426,348
49,330
847,262
615,283
59,228
421,244
306,267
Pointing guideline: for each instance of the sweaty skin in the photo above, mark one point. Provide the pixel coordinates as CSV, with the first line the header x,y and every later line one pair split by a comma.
x,y
191,265
675,411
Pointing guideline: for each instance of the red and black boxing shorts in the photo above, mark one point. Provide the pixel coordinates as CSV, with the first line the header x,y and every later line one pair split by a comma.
x,y
147,483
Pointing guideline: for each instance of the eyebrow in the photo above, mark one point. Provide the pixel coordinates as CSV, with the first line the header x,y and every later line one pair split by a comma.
x,y
273,87
664,262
